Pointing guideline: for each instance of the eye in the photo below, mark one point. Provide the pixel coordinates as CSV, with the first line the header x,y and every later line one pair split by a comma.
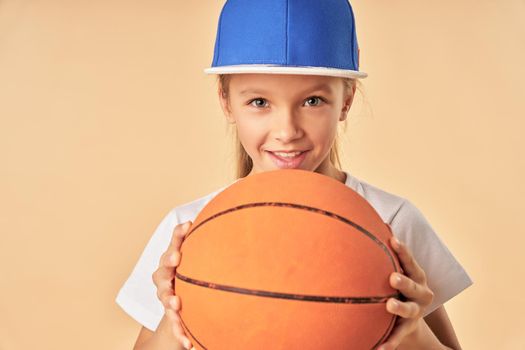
x,y
257,104
312,100
315,98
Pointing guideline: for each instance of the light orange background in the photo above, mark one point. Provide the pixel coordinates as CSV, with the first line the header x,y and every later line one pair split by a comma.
x,y
108,122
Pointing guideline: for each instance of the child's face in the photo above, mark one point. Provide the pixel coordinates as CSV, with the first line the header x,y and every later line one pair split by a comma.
x,y
285,112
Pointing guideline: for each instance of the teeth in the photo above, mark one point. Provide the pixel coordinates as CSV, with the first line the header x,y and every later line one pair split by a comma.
x,y
287,154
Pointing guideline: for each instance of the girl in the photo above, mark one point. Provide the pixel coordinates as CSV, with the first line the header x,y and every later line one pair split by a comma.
x,y
288,71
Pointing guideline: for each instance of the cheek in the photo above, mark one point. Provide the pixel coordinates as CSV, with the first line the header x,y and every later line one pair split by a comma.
x,y
251,134
322,135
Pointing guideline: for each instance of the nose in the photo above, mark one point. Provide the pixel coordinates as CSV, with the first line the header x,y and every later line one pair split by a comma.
x,y
286,127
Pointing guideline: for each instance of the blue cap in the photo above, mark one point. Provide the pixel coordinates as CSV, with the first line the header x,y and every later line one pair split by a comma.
x,y
316,37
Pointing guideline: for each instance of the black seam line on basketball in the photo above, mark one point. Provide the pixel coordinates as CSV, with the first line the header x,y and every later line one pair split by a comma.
x,y
279,295
379,342
192,335
300,206
387,331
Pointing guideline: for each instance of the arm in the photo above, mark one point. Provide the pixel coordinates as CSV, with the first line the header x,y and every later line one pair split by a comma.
x,y
144,335
169,334
423,336
162,338
436,332
441,326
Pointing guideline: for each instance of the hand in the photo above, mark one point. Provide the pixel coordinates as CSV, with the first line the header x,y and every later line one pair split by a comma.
x,y
164,279
414,287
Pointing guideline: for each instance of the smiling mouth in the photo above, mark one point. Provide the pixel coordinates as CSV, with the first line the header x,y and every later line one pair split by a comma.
x,y
289,161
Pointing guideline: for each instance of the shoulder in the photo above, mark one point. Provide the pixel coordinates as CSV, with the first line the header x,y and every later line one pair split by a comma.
x,y
406,221
386,204
190,210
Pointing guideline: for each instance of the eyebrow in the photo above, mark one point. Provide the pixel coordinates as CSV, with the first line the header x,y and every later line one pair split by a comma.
x,y
323,87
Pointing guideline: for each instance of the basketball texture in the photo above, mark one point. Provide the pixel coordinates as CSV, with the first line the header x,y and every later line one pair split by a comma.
x,y
287,259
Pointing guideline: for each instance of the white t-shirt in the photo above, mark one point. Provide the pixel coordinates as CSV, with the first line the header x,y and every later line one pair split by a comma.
x,y
445,276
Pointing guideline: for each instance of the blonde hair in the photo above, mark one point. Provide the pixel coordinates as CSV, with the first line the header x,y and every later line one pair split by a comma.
x,y
244,162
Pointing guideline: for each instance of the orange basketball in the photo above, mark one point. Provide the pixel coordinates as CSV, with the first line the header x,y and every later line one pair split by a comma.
x,y
286,259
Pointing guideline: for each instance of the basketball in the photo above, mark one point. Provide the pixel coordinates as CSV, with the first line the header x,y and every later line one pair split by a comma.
x,y
287,259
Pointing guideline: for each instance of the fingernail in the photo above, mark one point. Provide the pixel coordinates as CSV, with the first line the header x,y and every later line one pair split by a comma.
x,y
397,278
186,225
187,343
170,314
395,304
173,303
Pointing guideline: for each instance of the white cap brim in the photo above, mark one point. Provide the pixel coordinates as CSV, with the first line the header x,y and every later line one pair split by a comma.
x,y
274,69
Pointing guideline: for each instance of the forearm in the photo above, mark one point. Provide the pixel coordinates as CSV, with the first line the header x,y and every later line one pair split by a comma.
x,y
160,343
162,339
422,338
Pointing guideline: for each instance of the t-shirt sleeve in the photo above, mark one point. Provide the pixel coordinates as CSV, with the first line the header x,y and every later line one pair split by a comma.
x,y
138,296
445,275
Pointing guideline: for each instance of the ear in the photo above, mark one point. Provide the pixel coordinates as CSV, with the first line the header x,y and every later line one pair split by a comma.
x,y
347,103
225,106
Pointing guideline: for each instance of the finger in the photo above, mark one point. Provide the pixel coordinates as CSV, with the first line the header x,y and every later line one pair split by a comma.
x,y
165,291
177,329
186,343
170,258
166,294
166,270
407,309
174,302
181,336
412,290
408,262
172,316
407,286
179,233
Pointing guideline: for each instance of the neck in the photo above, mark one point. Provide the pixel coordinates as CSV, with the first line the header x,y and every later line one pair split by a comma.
x,y
328,169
